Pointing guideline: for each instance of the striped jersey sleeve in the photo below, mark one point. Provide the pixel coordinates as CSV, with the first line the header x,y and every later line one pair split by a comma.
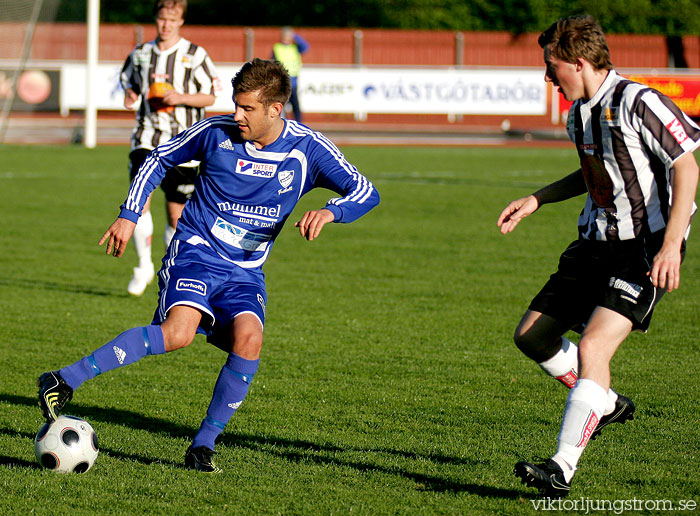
x,y
665,129
129,77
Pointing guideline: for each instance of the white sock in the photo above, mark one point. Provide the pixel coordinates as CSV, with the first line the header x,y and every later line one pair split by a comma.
x,y
168,234
564,364
584,408
610,405
564,367
143,234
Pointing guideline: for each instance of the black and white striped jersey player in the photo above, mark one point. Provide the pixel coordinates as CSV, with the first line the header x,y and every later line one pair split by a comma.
x,y
169,81
635,148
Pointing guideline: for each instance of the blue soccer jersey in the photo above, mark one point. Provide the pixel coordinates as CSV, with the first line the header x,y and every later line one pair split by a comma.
x,y
244,195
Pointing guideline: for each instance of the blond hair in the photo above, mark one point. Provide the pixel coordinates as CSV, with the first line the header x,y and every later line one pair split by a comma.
x,y
170,4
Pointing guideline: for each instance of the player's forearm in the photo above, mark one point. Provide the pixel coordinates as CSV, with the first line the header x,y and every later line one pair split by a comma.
x,y
127,214
140,190
354,206
147,179
684,185
566,188
182,148
198,100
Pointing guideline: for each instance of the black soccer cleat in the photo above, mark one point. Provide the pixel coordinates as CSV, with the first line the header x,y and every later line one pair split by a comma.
x,y
54,393
547,477
624,411
200,459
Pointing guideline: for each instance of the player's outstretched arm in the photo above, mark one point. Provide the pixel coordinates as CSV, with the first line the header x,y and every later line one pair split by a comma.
x,y
117,236
566,188
312,223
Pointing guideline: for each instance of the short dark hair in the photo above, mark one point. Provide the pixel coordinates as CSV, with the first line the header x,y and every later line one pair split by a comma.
x,y
577,36
269,77
170,4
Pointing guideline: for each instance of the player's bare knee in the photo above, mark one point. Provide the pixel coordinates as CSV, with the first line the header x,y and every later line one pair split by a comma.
x,y
520,339
248,343
535,345
592,350
525,341
588,345
176,337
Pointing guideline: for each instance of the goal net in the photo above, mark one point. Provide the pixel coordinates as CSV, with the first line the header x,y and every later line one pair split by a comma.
x,y
18,21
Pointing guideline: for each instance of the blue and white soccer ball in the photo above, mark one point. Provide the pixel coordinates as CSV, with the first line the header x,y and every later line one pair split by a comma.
x,y
68,445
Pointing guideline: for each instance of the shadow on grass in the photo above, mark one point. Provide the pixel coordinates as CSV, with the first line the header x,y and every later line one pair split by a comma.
x,y
13,462
62,287
294,450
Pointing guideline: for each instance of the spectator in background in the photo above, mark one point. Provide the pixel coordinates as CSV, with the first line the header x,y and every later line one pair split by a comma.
x,y
288,51
175,80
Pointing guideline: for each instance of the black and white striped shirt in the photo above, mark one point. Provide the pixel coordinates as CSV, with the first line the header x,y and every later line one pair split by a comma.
x,y
187,68
628,136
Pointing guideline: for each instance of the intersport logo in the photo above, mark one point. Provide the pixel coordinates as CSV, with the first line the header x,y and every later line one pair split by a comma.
x,y
255,169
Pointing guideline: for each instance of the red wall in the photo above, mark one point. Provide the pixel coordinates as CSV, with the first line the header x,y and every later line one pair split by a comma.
x,y
66,41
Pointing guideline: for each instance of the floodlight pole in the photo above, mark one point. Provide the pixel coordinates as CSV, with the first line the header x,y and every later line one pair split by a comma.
x,y
93,28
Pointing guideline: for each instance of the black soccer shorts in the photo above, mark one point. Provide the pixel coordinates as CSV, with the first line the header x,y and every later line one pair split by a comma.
x,y
612,275
178,183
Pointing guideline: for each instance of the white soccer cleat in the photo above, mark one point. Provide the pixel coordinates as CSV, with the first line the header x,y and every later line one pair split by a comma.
x,y
143,276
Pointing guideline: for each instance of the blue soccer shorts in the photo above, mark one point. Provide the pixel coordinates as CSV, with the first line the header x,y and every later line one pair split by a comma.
x,y
195,275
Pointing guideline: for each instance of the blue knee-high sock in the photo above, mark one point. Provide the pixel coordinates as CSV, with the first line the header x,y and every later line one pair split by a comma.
x,y
229,392
127,348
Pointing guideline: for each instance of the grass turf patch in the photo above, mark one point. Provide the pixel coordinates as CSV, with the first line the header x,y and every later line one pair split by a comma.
x,y
388,383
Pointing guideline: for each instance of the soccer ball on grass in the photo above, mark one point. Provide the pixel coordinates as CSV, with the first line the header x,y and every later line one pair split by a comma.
x,y
69,444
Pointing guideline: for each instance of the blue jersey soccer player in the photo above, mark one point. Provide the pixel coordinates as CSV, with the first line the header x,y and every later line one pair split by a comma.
x,y
254,168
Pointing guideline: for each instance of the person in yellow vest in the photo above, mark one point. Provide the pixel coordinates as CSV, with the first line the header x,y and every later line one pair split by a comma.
x,y
288,51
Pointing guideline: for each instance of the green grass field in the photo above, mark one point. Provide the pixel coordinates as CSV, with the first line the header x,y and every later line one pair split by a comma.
x,y
389,384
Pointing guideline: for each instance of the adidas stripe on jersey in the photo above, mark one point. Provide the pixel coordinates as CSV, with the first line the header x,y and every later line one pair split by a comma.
x,y
243,195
